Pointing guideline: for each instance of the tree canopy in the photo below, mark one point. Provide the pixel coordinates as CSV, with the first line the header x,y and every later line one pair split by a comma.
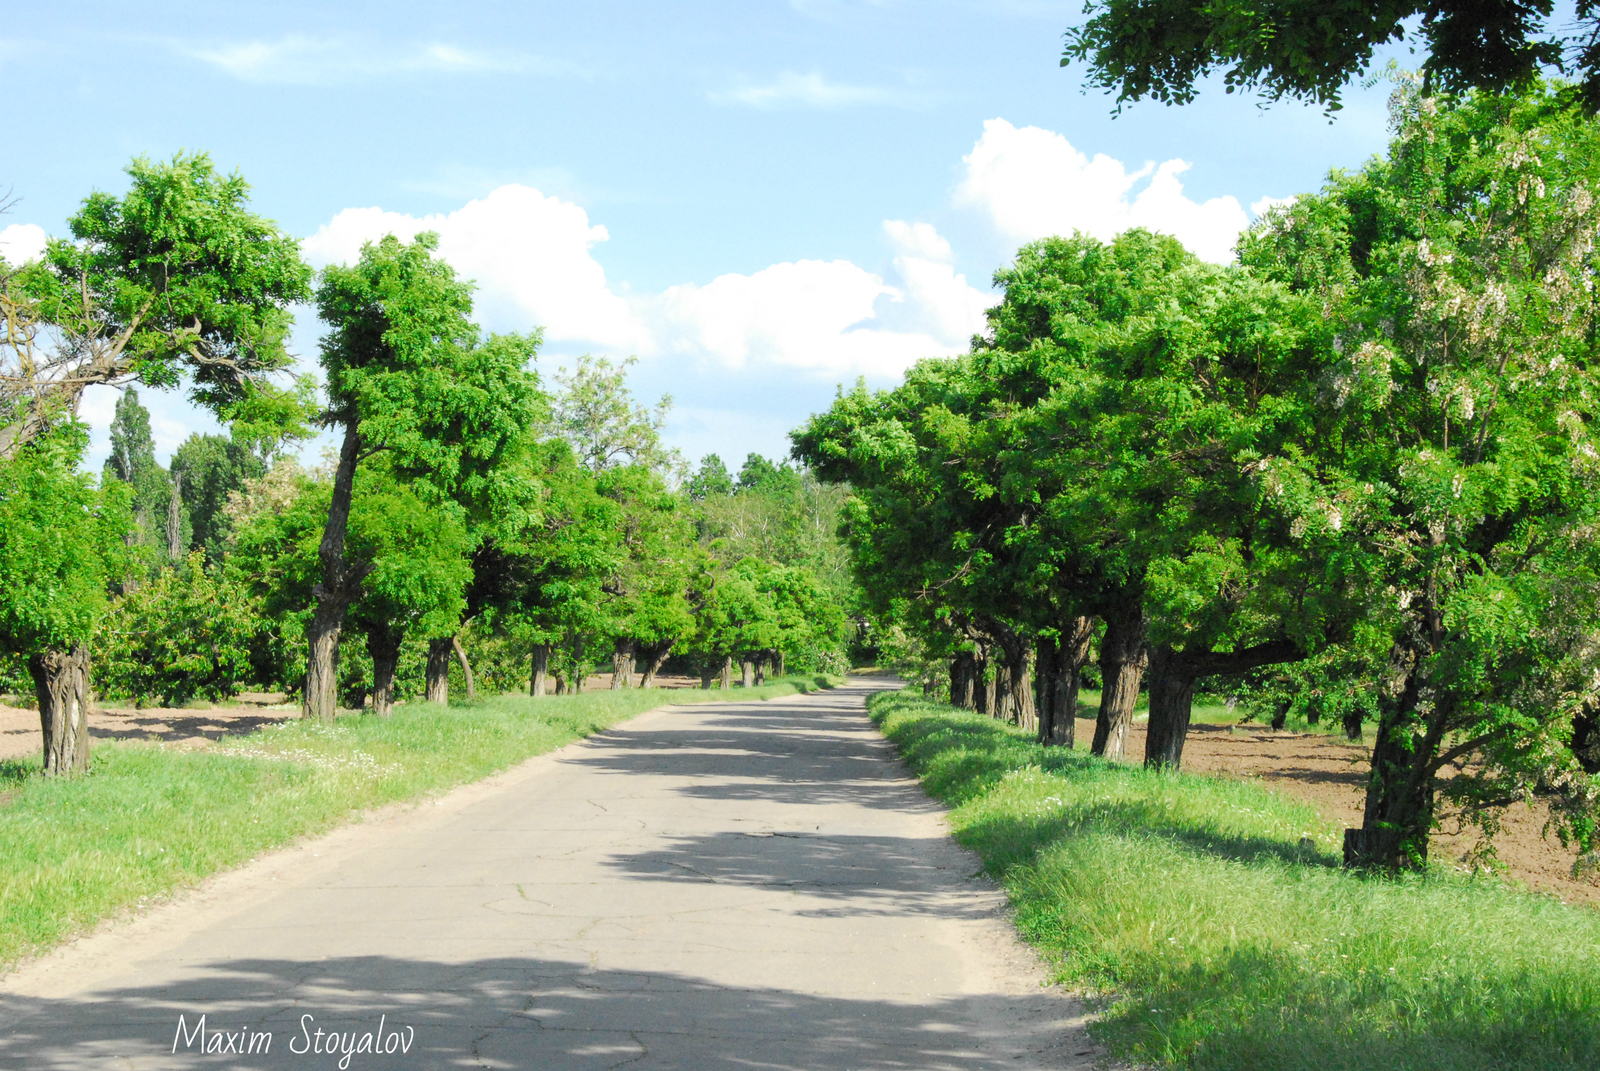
x,y
1310,49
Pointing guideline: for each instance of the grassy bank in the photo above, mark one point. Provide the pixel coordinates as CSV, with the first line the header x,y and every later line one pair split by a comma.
x,y
148,820
1215,940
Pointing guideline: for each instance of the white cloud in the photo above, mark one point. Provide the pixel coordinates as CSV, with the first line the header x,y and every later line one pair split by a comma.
x,y
529,254
1260,208
1032,184
807,314
812,90
22,242
302,60
939,296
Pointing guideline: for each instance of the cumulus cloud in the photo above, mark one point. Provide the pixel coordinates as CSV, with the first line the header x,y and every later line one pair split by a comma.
x,y
809,314
22,242
301,60
939,296
530,255
1032,184
812,90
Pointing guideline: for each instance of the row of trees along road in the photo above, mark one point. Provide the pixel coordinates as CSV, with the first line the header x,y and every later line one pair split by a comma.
x,y
1366,451
549,527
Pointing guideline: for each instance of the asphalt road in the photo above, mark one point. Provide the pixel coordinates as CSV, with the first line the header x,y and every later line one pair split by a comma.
x,y
719,886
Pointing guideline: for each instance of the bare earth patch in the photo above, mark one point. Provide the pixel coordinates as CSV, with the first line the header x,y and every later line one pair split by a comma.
x,y
1331,773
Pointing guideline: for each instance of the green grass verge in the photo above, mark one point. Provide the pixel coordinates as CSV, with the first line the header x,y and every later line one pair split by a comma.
x,y
1211,939
148,820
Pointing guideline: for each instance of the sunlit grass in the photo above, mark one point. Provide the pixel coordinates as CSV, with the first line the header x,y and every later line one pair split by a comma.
x,y
149,819
1215,939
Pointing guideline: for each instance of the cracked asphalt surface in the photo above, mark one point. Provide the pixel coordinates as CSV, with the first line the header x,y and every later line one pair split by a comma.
x,y
719,886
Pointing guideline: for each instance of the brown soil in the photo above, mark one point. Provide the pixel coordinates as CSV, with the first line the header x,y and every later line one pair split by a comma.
x,y
1331,773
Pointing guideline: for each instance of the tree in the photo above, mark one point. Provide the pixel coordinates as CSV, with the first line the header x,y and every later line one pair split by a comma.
x,y
160,521
419,568
175,279
595,412
1454,449
60,541
407,373
183,636
1309,50
207,469
710,479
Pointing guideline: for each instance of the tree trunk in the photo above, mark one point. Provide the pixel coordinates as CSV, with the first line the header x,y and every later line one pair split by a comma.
x,y
708,673
340,581
1122,659
655,656
1172,679
747,671
1001,705
727,673
622,664
1171,706
384,647
778,663
1058,682
1400,798
61,684
1586,738
763,659
982,682
466,667
961,681
539,679
1024,712
175,520
440,651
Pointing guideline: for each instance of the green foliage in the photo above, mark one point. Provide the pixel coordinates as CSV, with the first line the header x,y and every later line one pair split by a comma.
x,y
1308,51
596,415
208,469
405,363
60,543
185,635
1451,445
179,266
1214,939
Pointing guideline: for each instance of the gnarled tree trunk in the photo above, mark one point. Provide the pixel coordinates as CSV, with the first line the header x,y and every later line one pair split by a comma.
x,y
747,671
466,667
1122,660
963,681
340,581
1172,678
539,677
654,657
440,651
1061,660
726,676
622,664
61,683
384,647
1400,794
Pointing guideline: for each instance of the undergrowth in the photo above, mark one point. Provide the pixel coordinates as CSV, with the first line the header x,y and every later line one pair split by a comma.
x,y
1211,936
148,819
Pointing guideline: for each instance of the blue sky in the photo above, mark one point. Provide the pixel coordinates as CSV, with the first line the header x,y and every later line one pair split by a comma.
x,y
760,200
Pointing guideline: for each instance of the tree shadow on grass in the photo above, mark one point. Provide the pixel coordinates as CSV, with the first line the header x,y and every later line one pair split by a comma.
x,y
962,757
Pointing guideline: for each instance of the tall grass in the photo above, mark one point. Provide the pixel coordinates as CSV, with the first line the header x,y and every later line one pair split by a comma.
x,y
147,820
1215,939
